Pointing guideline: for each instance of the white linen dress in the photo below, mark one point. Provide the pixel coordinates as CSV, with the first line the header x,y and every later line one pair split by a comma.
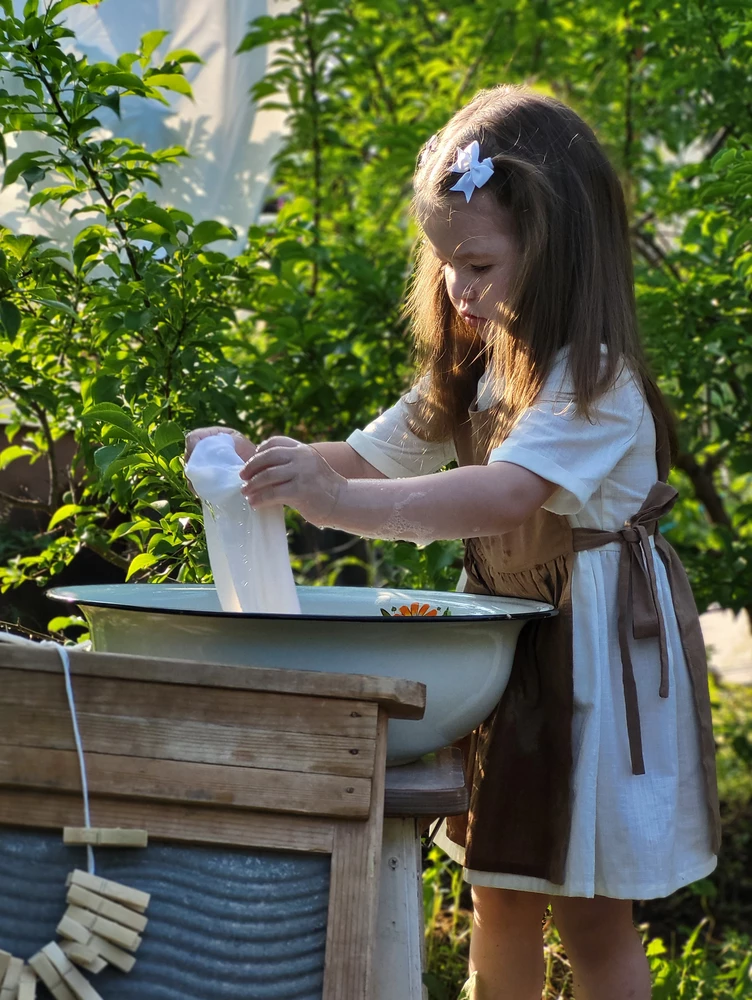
x,y
632,836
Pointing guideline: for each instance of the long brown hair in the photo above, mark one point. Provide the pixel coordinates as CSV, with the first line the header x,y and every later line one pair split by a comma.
x,y
574,282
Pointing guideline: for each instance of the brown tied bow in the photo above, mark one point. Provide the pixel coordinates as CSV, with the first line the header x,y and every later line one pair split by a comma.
x,y
638,598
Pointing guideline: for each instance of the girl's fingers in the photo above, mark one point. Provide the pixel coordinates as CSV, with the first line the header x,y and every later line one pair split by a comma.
x,y
243,446
266,459
276,476
271,488
278,442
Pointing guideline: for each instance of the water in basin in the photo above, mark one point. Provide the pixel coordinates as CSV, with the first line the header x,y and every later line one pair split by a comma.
x,y
463,657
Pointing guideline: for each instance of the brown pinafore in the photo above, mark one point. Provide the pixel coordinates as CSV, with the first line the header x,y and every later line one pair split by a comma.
x,y
519,761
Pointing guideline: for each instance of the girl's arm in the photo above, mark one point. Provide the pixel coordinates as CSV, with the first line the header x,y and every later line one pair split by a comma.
x,y
338,454
346,461
469,502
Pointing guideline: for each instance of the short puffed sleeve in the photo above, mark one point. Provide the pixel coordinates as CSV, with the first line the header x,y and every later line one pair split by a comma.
x,y
575,452
390,446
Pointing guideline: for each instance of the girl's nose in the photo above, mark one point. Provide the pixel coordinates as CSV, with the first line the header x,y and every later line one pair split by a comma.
x,y
463,290
469,293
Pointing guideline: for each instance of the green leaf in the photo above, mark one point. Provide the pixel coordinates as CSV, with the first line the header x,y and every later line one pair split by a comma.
x,y
83,251
167,434
128,527
22,163
142,561
110,100
62,622
32,175
111,413
723,159
183,56
468,989
103,389
105,456
152,232
59,306
170,81
67,510
10,317
57,8
8,455
742,236
141,208
149,42
112,78
655,947
209,231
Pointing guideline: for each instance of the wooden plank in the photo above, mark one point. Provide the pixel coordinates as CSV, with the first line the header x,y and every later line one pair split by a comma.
x,y
400,698
433,786
399,958
187,741
139,777
243,788
354,895
222,707
170,821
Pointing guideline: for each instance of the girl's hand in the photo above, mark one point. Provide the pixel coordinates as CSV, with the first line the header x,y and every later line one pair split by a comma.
x,y
243,446
286,471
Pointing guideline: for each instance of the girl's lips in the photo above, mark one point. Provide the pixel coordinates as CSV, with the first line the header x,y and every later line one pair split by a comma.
x,y
471,320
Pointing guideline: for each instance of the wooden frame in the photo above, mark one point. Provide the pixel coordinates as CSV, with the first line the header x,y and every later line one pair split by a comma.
x,y
307,775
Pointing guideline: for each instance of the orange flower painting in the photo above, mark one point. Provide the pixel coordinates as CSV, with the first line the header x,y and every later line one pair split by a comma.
x,y
415,610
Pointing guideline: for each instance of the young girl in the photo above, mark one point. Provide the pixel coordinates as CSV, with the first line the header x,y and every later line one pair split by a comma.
x,y
593,782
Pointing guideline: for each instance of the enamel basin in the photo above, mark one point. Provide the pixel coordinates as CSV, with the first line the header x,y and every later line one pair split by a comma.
x,y
459,645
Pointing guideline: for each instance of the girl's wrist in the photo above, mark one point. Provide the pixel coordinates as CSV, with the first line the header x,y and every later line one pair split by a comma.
x,y
336,492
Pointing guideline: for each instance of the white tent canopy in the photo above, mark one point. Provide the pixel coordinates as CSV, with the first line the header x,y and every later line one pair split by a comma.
x,y
230,142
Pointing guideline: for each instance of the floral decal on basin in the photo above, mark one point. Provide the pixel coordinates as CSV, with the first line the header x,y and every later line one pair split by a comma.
x,y
415,610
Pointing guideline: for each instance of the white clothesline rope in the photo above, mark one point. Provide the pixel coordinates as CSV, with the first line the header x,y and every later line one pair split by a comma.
x,y
65,660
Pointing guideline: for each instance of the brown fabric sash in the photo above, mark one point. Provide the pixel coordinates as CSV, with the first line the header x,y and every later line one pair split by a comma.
x,y
639,606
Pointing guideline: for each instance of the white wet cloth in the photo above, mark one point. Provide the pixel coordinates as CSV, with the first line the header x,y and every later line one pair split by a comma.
x,y
633,836
247,548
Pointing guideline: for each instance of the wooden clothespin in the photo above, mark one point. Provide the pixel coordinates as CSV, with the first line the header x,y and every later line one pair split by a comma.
x,y
27,984
78,934
105,907
134,899
51,978
11,977
121,936
104,836
83,955
81,987
5,957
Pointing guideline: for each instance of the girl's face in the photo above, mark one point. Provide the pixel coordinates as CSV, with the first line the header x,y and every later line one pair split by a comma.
x,y
478,248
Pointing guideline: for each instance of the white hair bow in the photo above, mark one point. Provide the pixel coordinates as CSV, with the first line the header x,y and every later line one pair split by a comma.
x,y
475,172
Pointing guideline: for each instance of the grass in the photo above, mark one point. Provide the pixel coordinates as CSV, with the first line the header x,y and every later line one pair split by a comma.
x,y
698,941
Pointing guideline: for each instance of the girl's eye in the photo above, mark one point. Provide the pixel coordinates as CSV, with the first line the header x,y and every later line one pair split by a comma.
x,y
479,268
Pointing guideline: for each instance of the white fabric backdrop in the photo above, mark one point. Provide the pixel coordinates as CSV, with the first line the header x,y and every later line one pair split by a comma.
x,y
231,143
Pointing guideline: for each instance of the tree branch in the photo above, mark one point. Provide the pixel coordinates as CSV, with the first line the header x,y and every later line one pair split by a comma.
x,y
719,142
655,255
85,160
39,505
108,555
704,487
315,143
701,477
54,491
